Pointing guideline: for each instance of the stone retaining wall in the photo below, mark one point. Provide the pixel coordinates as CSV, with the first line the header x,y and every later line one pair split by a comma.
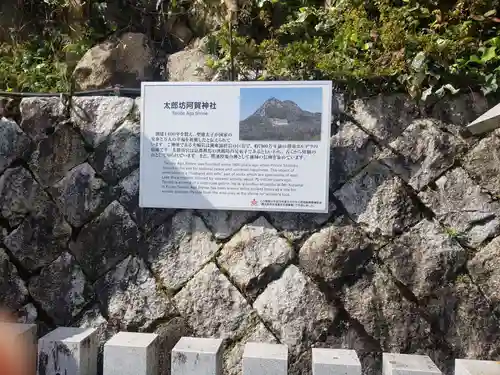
x,y
406,261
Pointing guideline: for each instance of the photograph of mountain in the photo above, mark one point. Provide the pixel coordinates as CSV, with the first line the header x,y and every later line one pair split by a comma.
x,y
280,114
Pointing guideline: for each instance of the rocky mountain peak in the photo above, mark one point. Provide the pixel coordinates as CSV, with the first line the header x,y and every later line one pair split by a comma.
x,y
275,108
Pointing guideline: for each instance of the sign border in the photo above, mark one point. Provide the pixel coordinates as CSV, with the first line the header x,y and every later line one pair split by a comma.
x,y
329,84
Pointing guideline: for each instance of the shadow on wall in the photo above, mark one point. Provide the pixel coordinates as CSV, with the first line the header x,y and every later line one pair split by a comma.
x,y
84,266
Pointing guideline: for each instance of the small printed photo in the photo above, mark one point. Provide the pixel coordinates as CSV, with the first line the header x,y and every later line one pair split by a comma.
x,y
281,114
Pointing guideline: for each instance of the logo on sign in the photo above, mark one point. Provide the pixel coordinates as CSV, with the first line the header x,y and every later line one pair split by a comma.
x,y
253,202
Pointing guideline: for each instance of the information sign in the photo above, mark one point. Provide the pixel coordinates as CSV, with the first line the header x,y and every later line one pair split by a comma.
x,y
236,145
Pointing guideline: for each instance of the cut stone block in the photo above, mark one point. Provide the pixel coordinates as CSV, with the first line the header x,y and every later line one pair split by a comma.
x,y
130,353
26,334
265,359
68,350
379,201
296,310
197,356
335,361
408,364
213,306
476,367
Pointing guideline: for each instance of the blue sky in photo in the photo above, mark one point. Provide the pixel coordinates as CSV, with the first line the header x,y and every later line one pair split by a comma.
x,y
307,98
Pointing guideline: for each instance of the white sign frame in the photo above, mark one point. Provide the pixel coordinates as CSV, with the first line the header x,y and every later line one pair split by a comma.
x,y
326,120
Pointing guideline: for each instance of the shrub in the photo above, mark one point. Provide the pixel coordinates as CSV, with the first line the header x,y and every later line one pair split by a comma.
x,y
424,47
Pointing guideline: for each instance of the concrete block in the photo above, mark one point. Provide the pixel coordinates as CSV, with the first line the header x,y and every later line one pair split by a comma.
x,y
476,367
265,359
68,350
197,356
335,362
408,364
486,122
27,335
130,353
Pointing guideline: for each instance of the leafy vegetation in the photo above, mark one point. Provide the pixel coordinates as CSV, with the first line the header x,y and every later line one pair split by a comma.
x,y
425,47
43,59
